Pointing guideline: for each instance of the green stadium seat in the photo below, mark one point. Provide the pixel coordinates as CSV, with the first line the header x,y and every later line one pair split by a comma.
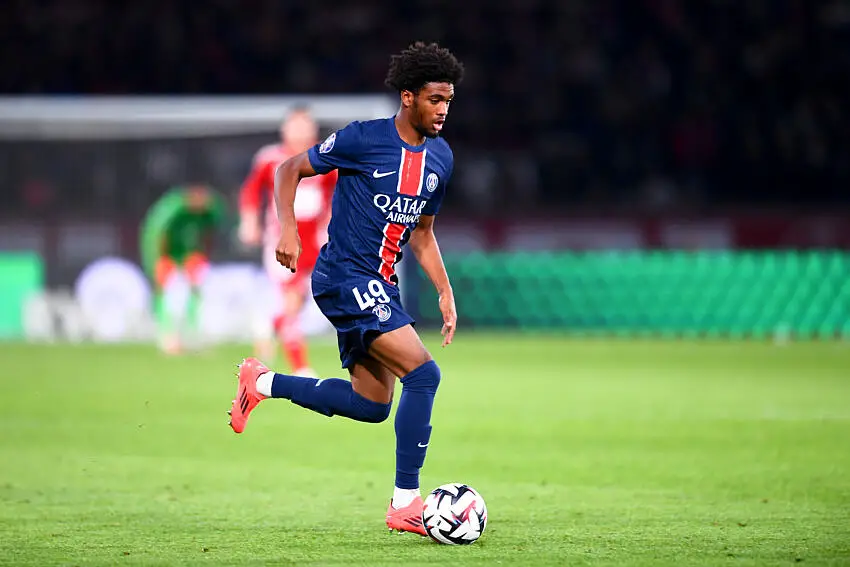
x,y
666,293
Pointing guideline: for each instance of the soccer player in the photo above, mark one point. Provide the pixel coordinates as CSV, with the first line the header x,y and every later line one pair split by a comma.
x,y
298,132
175,239
392,179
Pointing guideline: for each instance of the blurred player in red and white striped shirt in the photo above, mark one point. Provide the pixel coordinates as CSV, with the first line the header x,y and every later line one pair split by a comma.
x,y
299,132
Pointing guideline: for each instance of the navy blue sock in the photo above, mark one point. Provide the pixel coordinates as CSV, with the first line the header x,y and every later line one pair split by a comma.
x,y
413,422
329,397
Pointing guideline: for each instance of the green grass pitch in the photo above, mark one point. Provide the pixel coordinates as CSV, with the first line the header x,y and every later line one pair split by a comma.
x,y
587,452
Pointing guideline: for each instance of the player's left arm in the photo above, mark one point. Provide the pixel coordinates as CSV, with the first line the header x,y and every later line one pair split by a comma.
x,y
423,242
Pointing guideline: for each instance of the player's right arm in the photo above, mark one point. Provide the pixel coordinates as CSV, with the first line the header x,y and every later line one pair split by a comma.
x,y
340,150
154,230
286,179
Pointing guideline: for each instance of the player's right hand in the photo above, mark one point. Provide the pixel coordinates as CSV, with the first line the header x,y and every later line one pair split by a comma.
x,y
288,249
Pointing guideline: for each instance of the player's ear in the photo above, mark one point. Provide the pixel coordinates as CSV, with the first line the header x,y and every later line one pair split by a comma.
x,y
407,98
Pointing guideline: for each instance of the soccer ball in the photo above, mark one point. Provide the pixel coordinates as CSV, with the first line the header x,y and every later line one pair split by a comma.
x,y
454,514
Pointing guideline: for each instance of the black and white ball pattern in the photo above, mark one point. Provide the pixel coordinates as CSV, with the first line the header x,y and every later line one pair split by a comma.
x,y
454,514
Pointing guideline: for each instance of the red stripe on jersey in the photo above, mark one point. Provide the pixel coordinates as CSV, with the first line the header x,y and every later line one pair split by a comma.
x,y
410,175
390,248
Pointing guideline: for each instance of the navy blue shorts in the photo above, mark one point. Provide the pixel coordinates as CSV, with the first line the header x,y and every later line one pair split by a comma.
x,y
361,309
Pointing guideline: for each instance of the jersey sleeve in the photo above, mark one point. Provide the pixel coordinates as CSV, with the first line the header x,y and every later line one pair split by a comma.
x,y
163,211
155,226
340,150
432,207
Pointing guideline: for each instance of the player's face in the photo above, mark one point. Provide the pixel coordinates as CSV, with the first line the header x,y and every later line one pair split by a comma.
x,y
430,108
197,199
299,131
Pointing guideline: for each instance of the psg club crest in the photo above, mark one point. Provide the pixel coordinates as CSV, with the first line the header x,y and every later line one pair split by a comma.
x,y
431,182
382,312
328,144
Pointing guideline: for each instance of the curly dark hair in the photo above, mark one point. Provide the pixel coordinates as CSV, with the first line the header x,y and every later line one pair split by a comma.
x,y
423,63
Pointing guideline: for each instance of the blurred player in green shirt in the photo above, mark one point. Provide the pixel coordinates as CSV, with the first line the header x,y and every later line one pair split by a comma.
x,y
176,236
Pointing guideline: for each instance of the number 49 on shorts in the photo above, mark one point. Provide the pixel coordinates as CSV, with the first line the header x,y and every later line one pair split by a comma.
x,y
376,294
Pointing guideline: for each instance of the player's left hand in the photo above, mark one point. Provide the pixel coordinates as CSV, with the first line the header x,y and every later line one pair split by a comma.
x,y
447,308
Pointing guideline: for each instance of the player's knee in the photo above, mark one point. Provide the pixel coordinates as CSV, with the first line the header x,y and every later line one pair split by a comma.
x,y
369,411
424,378
379,414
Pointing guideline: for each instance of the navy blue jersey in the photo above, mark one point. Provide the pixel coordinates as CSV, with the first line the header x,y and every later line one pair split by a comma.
x,y
384,186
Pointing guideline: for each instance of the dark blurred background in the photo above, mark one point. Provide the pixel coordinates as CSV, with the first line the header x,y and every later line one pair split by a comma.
x,y
732,113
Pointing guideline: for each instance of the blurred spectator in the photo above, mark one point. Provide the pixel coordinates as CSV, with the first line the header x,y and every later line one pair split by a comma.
x,y
597,102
